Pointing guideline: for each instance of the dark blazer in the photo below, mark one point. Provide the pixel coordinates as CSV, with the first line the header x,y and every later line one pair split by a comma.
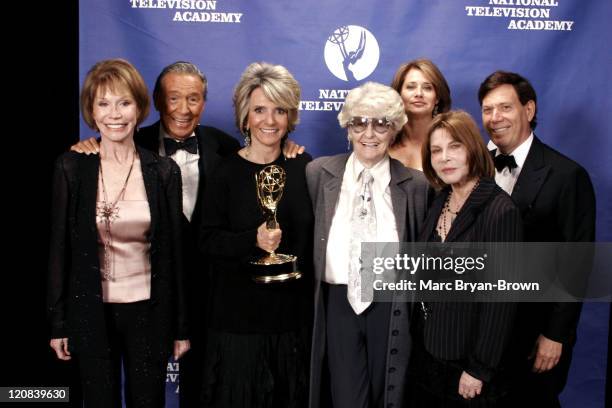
x,y
475,332
213,144
410,193
557,204
75,304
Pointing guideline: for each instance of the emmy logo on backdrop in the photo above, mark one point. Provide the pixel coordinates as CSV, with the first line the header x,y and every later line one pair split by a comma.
x,y
339,37
273,267
351,53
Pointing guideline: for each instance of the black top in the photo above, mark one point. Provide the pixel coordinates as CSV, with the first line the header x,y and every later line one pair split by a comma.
x,y
229,233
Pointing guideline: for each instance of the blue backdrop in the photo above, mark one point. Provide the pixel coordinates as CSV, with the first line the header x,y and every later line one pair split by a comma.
x,y
558,44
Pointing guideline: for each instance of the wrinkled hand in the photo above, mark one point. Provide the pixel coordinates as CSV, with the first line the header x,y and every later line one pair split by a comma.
x,y
469,387
268,239
547,353
89,146
292,149
60,346
180,348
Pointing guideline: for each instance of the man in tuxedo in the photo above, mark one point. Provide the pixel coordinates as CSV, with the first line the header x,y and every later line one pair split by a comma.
x,y
557,204
179,96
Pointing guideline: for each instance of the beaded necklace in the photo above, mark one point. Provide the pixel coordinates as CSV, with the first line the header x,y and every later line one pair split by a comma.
x,y
452,215
108,212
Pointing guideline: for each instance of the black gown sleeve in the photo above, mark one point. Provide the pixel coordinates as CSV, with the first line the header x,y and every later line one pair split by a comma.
x,y
215,238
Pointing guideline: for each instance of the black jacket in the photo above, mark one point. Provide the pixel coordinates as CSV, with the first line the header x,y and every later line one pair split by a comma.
x,y
75,304
477,333
557,204
213,145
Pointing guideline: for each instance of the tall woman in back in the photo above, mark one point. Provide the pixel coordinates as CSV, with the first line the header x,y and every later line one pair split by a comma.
x,y
425,94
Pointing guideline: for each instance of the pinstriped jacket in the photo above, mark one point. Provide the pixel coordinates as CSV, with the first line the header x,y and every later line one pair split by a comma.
x,y
475,332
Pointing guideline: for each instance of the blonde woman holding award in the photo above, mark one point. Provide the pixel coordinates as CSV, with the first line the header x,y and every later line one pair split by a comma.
x,y
257,208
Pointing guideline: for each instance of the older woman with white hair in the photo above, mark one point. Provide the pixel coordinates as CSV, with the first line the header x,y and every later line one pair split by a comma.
x,y
361,196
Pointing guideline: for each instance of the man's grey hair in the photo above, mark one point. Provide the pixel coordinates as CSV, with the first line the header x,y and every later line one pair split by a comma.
x,y
179,67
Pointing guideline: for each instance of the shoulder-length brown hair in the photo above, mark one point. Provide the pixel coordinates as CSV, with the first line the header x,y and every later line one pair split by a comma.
x,y
462,128
432,73
114,74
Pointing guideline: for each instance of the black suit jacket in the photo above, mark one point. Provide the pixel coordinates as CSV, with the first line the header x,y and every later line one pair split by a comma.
x,y
557,204
75,302
476,333
213,145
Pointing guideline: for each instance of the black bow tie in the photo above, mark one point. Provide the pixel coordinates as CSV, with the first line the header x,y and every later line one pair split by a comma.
x,y
172,145
504,160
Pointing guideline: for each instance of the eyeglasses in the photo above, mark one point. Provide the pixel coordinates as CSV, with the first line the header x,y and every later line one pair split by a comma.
x,y
359,124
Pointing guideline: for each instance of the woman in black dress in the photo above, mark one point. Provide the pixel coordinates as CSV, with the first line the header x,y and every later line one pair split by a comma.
x,y
457,358
259,334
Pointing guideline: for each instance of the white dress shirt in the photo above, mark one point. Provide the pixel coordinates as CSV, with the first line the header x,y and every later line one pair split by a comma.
x,y
190,172
506,178
338,243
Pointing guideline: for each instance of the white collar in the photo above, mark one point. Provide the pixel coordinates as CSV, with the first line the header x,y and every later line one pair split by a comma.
x,y
381,171
164,135
521,152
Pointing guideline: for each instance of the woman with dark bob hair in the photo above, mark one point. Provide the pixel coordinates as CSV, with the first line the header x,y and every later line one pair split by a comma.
x,y
258,326
115,271
458,346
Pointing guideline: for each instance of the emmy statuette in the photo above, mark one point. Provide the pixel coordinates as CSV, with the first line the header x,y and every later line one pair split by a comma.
x,y
272,268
